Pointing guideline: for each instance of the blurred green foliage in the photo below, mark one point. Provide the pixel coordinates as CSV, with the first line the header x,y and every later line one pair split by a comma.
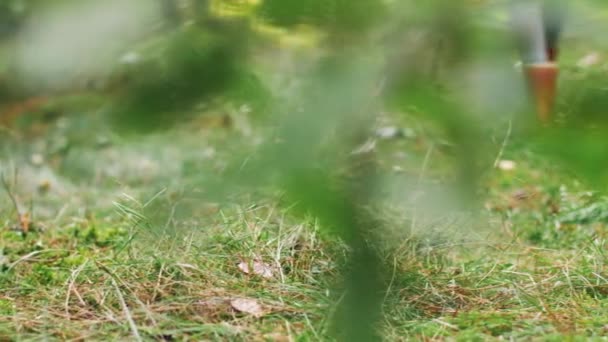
x,y
9,18
189,66
419,58
335,15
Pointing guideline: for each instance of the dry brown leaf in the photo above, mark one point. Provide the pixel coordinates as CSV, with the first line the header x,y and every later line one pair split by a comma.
x,y
389,132
248,306
506,165
589,60
259,268
213,306
243,266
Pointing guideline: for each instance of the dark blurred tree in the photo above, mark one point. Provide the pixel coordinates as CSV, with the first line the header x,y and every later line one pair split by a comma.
x,y
12,14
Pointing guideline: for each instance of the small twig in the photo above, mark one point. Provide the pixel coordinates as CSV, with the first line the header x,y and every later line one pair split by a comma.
x,y
390,284
289,332
504,144
312,328
30,255
171,216
486,275
277,258
158,281
61,212
445,324
423,168
332,311
9,193
71,288
123,303
162,191
425,162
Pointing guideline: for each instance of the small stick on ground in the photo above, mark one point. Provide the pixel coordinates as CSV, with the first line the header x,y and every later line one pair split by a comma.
x,y
123,303
72,288
504,144
126,311
22,218
9,193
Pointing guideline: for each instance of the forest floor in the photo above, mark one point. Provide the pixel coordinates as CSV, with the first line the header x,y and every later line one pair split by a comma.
x,y
116,239
104,237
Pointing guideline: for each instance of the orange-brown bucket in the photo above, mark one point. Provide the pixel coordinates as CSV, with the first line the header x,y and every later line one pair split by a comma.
x,y
542,85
